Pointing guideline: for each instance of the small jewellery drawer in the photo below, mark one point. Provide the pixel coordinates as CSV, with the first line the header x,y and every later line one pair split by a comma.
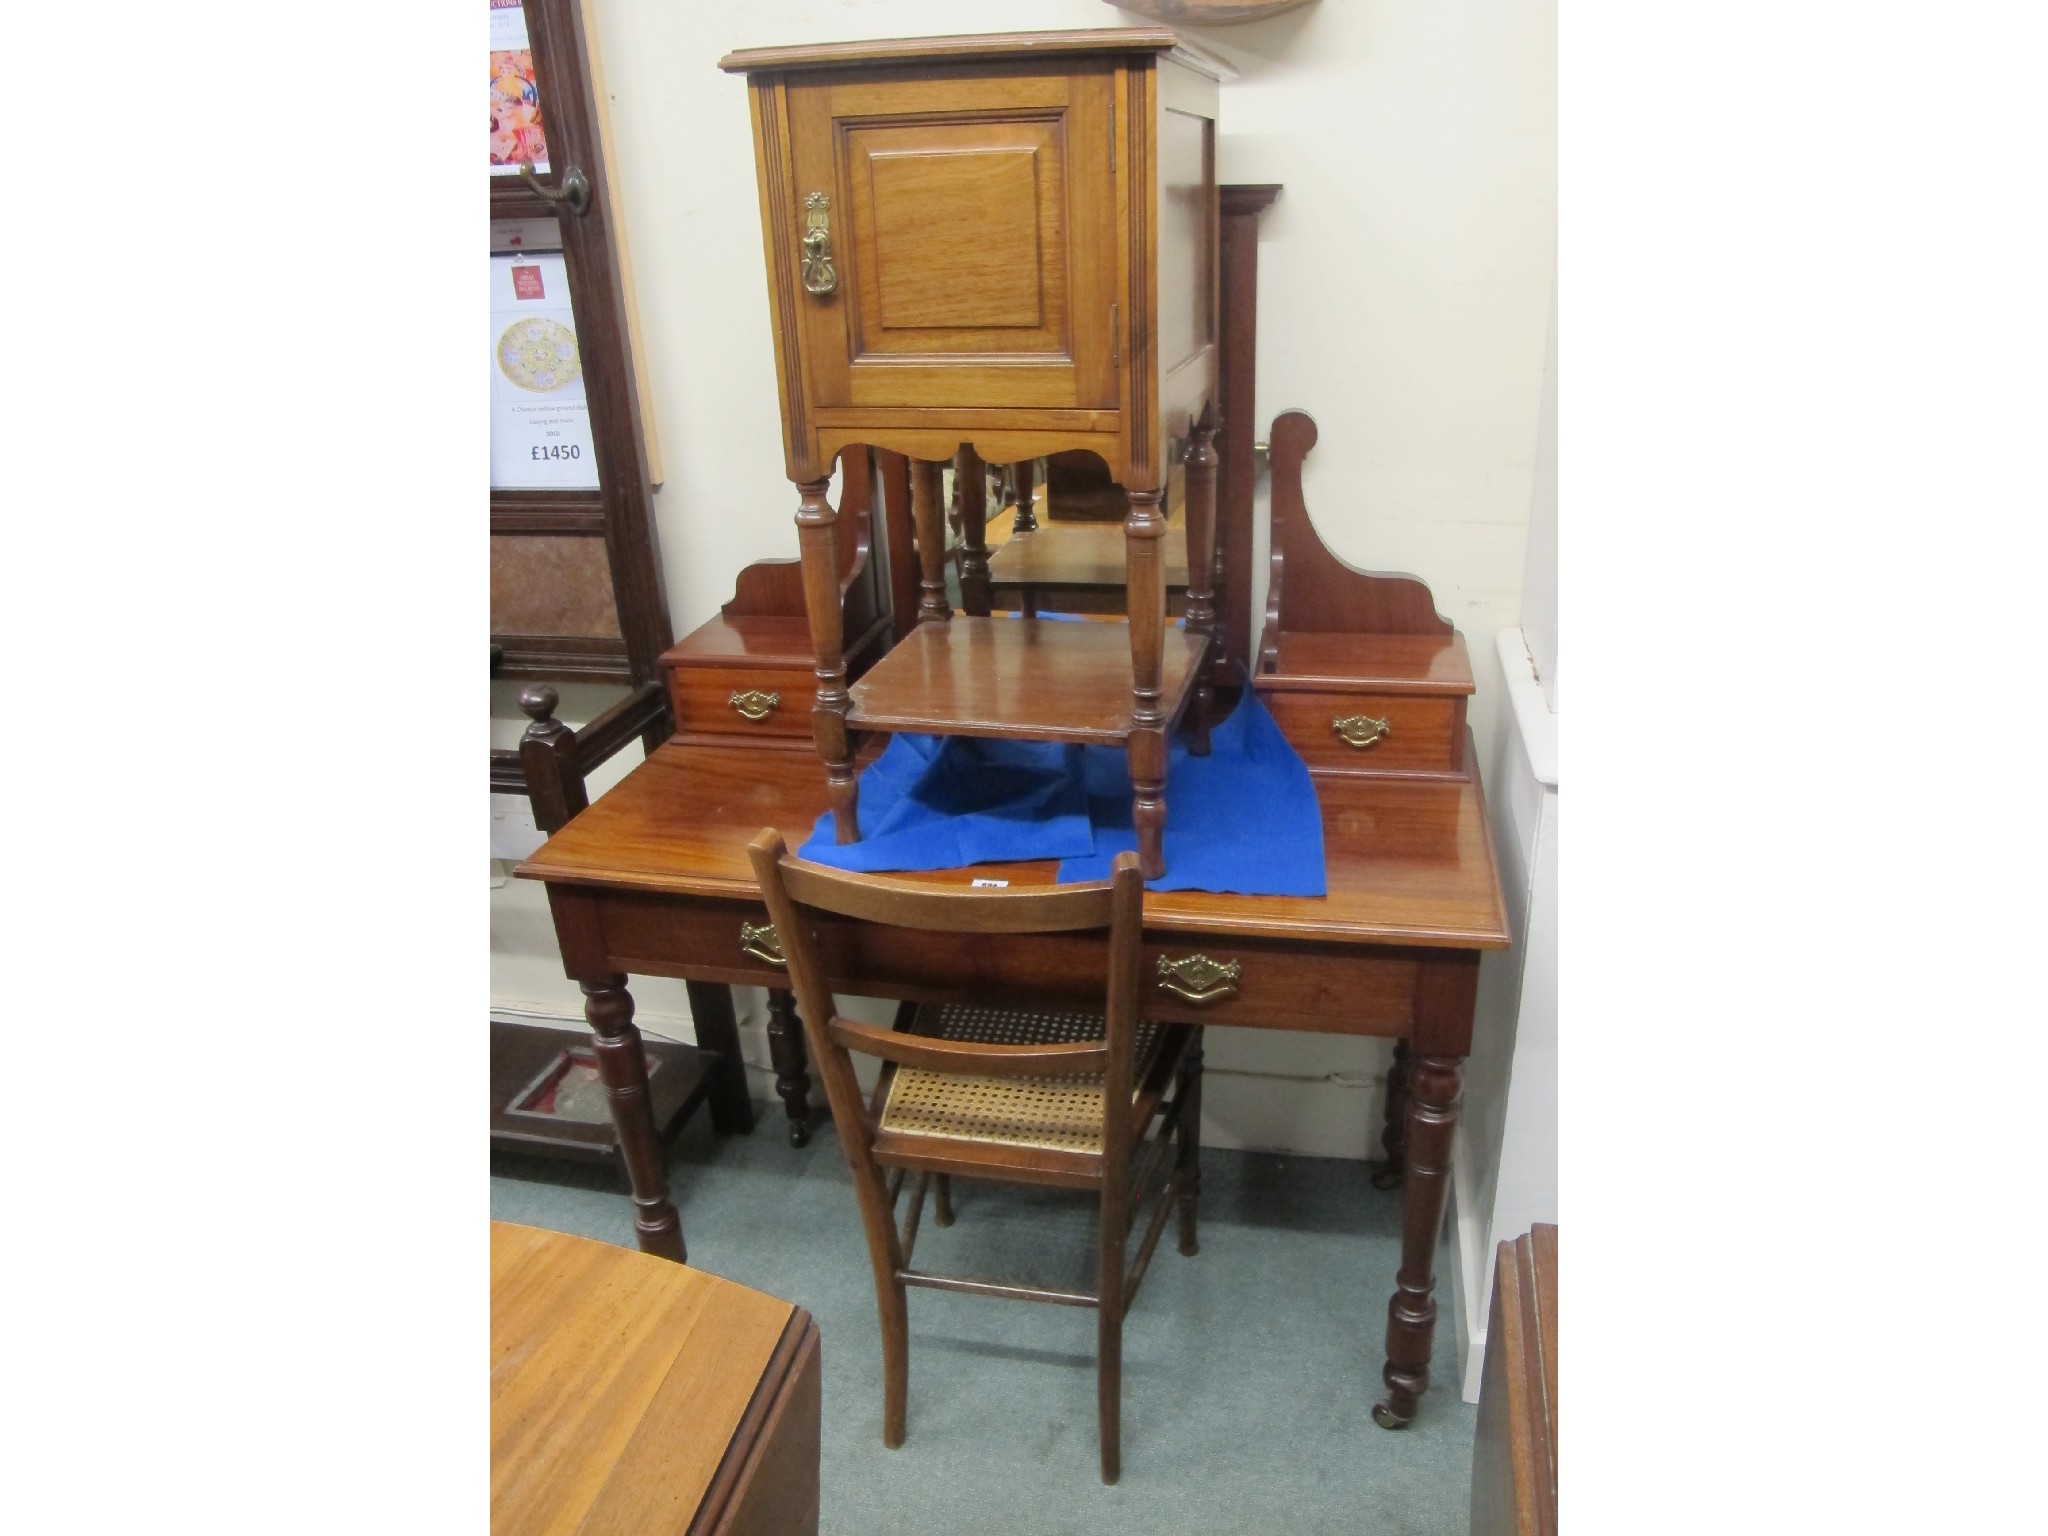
x,y
742,701
1398,734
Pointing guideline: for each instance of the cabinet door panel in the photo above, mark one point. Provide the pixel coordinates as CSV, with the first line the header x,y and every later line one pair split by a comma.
x,y
974,228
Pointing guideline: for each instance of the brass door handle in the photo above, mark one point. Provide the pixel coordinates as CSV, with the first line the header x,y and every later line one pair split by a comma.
x,y
758,941
1361,731
574,187
1199,979
753,705
819,278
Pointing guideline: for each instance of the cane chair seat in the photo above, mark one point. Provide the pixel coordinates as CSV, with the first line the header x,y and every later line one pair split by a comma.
x,y
1051,1114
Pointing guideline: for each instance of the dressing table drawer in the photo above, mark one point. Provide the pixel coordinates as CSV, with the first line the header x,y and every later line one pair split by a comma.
x,y
742,701
1264,985
1399,735
1252,983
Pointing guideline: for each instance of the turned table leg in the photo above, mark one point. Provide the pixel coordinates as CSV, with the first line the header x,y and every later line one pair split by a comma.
x,y
623,1065
1189,1152
1024,481
1425,1187
786,1051
1145,577
928,512
970,481
1394,1135
732,1107
816,519
1201,609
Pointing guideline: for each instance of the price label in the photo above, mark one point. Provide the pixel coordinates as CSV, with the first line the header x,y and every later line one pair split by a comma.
x,y
540,418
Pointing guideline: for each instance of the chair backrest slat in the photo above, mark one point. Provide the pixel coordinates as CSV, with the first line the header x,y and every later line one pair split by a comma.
x,y
947,908
908,1050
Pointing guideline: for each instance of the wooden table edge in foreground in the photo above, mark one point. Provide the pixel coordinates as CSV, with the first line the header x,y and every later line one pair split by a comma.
x,y
650,880
629,1394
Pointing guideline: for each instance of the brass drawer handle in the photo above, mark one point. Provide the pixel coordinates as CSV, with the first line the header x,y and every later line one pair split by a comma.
x,y
819,278
1199,979
754,705
1361,731
758,941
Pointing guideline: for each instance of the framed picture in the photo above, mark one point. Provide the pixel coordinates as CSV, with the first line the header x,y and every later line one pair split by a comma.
x,y
516,134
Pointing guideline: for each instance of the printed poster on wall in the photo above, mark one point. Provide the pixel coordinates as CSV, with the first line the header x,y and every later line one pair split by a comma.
x,y
515,99
540,419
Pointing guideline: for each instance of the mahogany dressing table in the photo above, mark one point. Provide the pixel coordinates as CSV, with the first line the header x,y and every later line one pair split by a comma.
x,y
653,879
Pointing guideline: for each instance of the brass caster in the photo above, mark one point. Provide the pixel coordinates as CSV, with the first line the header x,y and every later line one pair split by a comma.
x,y
1386,1418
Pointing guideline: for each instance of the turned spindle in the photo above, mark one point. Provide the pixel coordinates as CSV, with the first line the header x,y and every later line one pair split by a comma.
x,y
548,761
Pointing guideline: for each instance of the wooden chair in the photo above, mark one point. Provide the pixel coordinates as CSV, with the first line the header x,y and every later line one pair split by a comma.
x,y
1016,1094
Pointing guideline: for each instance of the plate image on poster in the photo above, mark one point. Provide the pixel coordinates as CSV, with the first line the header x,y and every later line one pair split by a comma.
x,y
516,134
540,416
539,354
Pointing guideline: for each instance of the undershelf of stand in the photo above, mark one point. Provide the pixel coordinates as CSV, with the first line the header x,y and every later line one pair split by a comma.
x,y
1018,679
1079,555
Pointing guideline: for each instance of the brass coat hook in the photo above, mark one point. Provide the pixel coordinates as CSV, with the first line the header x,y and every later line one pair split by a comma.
x,y
574,189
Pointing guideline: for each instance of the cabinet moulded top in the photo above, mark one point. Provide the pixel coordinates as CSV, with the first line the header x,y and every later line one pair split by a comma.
x,y
972,49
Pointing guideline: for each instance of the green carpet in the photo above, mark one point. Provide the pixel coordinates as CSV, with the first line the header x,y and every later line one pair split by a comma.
x,y
1250,1370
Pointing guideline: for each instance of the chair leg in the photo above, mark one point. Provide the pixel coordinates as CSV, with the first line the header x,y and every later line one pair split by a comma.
x,y
895,1363
1109,1332
885,1258
1190,1148
942,1208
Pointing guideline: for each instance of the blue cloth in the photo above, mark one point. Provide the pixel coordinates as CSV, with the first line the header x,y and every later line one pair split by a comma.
x,y
1244,819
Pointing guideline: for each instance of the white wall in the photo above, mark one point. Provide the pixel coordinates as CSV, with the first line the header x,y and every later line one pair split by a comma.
x,y
1504,1154
1405,273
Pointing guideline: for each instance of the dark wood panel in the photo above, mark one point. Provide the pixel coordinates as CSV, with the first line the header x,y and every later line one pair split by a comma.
x,y
574,512
562,658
